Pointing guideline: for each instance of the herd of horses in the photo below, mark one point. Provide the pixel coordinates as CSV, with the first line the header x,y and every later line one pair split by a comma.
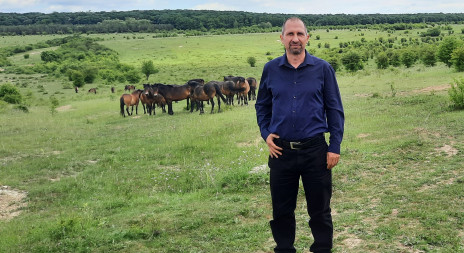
x,y
195,91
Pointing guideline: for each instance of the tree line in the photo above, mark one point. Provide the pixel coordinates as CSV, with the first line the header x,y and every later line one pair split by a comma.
x,y
201,20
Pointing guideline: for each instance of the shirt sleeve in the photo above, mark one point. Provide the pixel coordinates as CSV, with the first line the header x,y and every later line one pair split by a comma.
x,y
334,110
263,105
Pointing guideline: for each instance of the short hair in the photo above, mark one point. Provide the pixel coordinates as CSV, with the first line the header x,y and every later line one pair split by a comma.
x,y
294,19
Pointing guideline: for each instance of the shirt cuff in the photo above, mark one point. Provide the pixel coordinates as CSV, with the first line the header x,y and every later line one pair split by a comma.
x,y
334,148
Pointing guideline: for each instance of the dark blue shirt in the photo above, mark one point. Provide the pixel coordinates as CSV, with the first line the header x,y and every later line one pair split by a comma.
x,y
300,103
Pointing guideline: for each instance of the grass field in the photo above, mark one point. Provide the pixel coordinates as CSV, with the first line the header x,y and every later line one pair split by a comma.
x,y
85,179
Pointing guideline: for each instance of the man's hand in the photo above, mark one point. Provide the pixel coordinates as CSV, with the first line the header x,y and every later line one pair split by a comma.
x,y
274,150
332,159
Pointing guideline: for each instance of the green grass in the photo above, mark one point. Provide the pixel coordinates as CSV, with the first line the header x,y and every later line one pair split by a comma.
x,y
98,182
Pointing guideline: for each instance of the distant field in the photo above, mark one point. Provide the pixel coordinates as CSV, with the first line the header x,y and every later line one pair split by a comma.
x,y
85,179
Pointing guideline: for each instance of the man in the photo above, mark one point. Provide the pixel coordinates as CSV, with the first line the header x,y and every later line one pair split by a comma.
x,y
298,101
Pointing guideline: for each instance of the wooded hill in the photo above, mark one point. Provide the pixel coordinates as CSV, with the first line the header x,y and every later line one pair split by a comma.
x,y
201,20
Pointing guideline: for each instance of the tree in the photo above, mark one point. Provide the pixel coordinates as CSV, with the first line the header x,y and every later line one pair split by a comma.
x,y
148,68
446,49
252,61
382,60
456,93
457,58
49,56
352,61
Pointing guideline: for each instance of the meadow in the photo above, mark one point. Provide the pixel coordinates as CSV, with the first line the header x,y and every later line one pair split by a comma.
x,y
94,181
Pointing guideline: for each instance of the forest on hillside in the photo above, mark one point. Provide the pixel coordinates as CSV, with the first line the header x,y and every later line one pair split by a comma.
x,y
200,20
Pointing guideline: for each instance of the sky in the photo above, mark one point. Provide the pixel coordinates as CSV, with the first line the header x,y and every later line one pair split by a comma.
x,y
259,6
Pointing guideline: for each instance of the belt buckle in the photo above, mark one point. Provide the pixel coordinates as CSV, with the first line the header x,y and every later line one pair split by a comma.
x,y
293,143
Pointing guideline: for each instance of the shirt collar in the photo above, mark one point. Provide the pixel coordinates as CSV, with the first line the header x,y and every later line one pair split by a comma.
x,y
309,60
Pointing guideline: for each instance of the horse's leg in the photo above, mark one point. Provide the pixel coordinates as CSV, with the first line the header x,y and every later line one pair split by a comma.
x,y
188,103
200,105
127,109
212,105
170,112
219,104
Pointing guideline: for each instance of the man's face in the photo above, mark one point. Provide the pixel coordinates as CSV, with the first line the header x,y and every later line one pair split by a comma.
x,y
294,37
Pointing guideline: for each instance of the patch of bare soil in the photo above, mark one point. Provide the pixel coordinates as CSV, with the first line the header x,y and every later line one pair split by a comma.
x,y
449,150
10,202
433,88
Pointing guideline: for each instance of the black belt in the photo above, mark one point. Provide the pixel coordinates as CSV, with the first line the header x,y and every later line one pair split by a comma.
x,y
296,145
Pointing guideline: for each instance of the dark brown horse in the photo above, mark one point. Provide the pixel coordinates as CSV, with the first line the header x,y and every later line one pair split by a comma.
x,y
129,87
130,100
112,90
174,92
207,92
241,84
76,89
93,90
150,99
229,90
193,83
253,85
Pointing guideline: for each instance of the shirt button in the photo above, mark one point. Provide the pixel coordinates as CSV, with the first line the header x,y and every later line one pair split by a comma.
x,y
294,96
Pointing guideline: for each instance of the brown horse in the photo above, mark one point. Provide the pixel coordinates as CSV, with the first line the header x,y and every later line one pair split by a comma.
x,y
174,92
242,84
207,92
112,89
253,85
150,98
229,90
130,100
129,87
194,82
76,89
93,90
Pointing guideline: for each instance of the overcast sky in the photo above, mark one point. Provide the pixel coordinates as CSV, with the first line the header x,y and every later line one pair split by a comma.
x,y
261,6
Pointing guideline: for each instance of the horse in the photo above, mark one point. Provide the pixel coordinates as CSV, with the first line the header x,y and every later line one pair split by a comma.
x,y
150,98
112,89
242,84
76,89
130,100
129,87
207,92
194,82
174,92
229,90
253,85
93,90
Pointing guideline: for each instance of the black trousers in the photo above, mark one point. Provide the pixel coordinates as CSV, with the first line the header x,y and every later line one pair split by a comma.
x,y
311,165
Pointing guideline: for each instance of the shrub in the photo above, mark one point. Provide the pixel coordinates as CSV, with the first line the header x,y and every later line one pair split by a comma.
x,y
446,48
382,60
456,93
352,61
10,94
457,58
428,56
133,76
252,61
408,58
78,78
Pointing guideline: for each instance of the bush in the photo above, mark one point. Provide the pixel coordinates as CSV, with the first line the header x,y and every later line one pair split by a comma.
x,y
352,61
428,56
10,94
457,58
382,60
456,93
78,78
252,61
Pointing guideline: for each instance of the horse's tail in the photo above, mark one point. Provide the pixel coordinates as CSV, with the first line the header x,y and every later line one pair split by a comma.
x,y
218,91
121,100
